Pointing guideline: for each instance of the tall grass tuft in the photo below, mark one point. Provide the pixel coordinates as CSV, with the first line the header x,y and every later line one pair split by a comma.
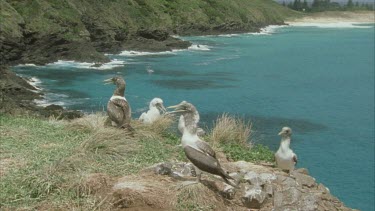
x,y
230,130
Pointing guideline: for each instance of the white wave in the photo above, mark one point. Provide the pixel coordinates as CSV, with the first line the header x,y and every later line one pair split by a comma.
x,y
58,99
26,65
330,25
197,47
268,30
228,35
87,65
35,82
145,53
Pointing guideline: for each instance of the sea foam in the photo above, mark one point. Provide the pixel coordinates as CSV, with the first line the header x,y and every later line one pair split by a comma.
x,y
87,65
145,53
197,47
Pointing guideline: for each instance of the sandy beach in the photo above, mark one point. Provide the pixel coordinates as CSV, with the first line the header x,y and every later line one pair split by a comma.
x,y
335,17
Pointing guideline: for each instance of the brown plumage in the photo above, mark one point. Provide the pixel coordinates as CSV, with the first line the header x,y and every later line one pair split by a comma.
x,y
118,108
196,150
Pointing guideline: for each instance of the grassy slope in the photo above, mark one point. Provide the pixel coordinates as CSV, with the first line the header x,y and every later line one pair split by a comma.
x,y
65,16
44,161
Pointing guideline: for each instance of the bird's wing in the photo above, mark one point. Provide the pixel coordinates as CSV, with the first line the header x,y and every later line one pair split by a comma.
x,y
143,116
123,104
204,147
295,158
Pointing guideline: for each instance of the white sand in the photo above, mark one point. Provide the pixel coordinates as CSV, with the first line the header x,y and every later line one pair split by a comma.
x,y
334,18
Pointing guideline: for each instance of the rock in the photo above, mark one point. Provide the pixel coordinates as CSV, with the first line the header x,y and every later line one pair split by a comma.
x,y
228,192
287,197
254,197
60,113
323,188
309,202
70,114
163,169
268,189
175,170
304,180
252,178
267,178
302,171
158,35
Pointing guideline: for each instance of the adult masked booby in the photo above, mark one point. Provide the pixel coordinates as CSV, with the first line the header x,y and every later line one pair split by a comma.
x,y
156,108
286,159
197,150
118,108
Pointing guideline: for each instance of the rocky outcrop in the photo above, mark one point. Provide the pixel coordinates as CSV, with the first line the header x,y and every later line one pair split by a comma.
x,y
17,96
170,186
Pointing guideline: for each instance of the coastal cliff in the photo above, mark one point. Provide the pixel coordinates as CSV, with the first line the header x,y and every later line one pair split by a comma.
x,y
44,31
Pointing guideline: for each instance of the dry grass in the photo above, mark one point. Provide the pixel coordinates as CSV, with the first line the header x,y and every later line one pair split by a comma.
x,y
228,129
158,128
197,197
88,123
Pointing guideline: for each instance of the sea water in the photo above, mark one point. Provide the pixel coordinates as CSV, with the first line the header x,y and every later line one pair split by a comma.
x,y
317,79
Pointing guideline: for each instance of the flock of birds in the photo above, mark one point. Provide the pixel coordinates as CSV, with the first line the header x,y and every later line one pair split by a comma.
x,y
196,150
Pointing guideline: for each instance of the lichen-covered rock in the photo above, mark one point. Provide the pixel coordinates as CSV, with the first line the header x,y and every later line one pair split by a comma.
x,y
254,197
261,187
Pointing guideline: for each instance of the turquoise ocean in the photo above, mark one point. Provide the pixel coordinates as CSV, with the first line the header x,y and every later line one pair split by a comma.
x,y
317,79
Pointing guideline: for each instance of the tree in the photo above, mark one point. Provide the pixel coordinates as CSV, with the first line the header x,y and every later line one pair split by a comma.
x,y
350,4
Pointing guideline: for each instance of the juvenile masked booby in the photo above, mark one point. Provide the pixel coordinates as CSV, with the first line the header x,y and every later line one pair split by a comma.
x,y
286,159
118,108
181,125
197,150
156,108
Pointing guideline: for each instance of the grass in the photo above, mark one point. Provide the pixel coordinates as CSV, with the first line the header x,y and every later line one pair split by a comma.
x,y
228,129
45,161
232,136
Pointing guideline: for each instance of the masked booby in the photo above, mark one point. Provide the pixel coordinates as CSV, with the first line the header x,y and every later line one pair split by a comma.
x,y
118,108
196,150
286,159
181,125
156,108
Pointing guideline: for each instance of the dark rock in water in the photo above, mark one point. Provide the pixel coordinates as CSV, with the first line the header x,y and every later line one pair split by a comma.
x,y
17,97
96,65
15,93
158,35
70,114
54,107
60,113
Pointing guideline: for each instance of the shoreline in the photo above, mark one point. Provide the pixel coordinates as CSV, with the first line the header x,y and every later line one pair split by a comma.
x,y
331,17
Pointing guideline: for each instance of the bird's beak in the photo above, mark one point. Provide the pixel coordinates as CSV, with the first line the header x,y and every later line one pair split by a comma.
x,y
281,132
162,108
175,106
108,81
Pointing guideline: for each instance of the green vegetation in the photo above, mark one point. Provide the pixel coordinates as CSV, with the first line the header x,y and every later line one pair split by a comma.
x,y
327,5
74,18
46,160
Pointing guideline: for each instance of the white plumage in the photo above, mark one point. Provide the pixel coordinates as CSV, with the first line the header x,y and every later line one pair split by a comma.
x,y
286,159
155,111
